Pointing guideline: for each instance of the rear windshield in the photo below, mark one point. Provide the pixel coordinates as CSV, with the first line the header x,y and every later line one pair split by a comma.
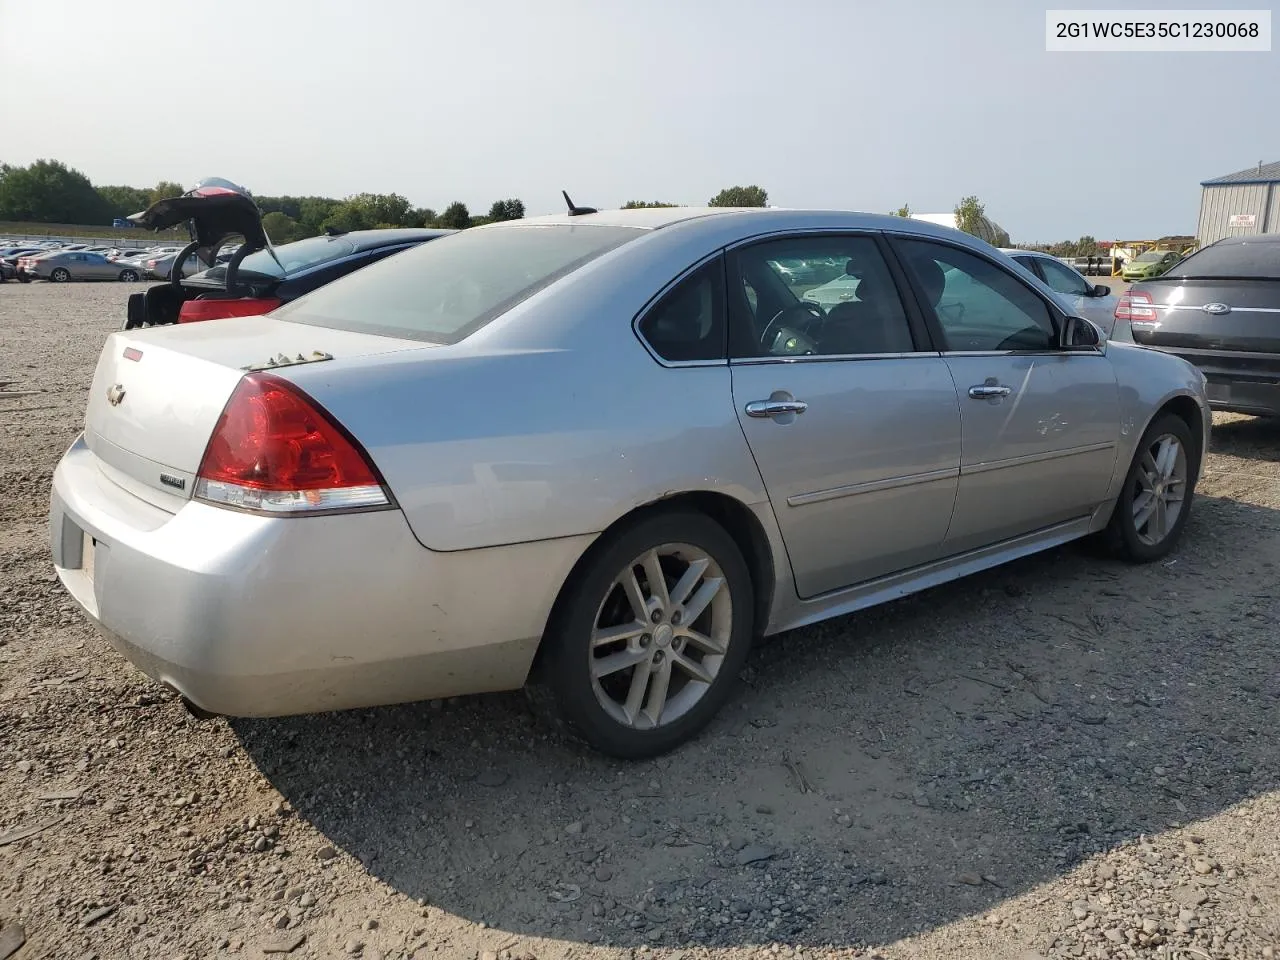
x,y
1249,260
294,256
445,290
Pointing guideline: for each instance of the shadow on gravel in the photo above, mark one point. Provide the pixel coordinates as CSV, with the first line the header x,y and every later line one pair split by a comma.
x,y
1250,438
869,776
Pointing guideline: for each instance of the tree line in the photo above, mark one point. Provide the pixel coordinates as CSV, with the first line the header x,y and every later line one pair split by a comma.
x,y
48,191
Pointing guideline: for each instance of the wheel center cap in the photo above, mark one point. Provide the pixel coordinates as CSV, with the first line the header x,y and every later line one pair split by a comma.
x,y
662,635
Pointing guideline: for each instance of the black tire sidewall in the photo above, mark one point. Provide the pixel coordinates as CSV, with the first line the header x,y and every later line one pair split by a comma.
x,y
568,636
1125,532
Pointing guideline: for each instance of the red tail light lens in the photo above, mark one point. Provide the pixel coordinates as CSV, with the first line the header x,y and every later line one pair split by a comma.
x,y
194,311
1135,307
274,450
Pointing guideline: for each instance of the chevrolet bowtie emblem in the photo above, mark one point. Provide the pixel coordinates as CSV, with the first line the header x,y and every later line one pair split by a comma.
x,y
115,394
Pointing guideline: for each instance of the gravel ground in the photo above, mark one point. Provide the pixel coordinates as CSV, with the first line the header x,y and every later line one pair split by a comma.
x,y
1066,757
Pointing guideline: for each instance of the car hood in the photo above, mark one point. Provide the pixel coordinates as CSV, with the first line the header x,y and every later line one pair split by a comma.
x,y
215,209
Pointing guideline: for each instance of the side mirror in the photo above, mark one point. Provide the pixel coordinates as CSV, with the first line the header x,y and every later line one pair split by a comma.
x,y
1081,334
1101,290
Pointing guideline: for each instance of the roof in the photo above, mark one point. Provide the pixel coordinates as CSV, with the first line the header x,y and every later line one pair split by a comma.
x,y
653,218
1247,238
1258,173
369,239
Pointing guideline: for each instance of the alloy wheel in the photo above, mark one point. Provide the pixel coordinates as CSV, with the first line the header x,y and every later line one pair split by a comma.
x,y
660,636
1161,489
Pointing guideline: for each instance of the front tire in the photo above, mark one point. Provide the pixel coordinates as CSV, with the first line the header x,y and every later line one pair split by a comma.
x,y
647,642
60,275
128,276
1155,502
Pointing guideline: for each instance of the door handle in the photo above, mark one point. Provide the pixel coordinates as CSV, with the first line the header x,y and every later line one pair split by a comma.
x,y
989,391
772,408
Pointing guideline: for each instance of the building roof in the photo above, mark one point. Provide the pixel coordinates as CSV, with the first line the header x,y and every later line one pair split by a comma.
x,y
1258,173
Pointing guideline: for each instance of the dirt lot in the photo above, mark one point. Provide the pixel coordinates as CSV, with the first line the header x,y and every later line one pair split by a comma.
x,y
1063,758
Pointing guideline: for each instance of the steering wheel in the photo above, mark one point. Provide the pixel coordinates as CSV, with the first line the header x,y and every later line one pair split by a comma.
x,y
812,311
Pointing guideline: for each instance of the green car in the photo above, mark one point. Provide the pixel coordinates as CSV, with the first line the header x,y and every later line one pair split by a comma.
x,y
1147,266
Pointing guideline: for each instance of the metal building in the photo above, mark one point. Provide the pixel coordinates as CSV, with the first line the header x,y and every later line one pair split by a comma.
x,y
1240,203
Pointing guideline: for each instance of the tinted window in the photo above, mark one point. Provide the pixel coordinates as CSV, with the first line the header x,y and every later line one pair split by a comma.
x,y
444,290
978,305
1062,278
688,322
295,256
1252,260
816,295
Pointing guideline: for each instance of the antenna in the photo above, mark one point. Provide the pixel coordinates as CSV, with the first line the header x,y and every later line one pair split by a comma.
x,y
576,211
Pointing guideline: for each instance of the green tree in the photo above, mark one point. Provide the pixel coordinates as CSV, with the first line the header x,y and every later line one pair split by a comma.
x,y
970,213
313,212
646,204
280,227
506,210
455,216
164,190
751,196
50,192
123,201
902,211
421,217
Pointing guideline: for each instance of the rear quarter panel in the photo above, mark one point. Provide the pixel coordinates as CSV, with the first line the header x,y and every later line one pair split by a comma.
x,y
552,421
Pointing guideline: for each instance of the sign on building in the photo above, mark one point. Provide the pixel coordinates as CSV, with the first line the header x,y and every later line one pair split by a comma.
x,y
1242,220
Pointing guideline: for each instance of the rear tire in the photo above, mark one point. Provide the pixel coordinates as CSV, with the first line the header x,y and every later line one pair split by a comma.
x,y
128,276
1155,502
60,275
636,671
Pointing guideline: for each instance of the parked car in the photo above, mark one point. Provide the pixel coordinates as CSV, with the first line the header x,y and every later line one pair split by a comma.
x,y
516,453
160,266
1093,301
1148,265
1220,310
62,266
9,261
256,278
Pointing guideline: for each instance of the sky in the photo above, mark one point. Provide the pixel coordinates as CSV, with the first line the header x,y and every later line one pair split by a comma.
x,y
825,103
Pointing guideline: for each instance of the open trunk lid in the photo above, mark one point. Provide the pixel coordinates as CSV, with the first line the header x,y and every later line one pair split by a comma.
x,y
158,393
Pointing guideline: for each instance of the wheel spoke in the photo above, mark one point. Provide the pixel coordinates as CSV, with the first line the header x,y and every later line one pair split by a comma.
x,y
1159,522
658,692
1142,516
657,579
639,683
635,596
702,641
688,580
611,664
603,636
1149,468
696,670
700,600
1168,457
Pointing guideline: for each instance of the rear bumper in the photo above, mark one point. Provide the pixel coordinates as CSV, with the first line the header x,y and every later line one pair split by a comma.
x,y
265,616
1237,381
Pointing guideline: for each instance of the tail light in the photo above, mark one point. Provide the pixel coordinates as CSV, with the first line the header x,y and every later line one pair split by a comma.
x,y
1135,307
194,311
151,264
275,450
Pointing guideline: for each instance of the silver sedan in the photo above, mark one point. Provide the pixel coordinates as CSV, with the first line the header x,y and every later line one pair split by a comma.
x,y
599,454
63,266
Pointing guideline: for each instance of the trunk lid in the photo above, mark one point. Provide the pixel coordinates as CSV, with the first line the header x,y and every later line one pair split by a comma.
x,y
158,392
1212,314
